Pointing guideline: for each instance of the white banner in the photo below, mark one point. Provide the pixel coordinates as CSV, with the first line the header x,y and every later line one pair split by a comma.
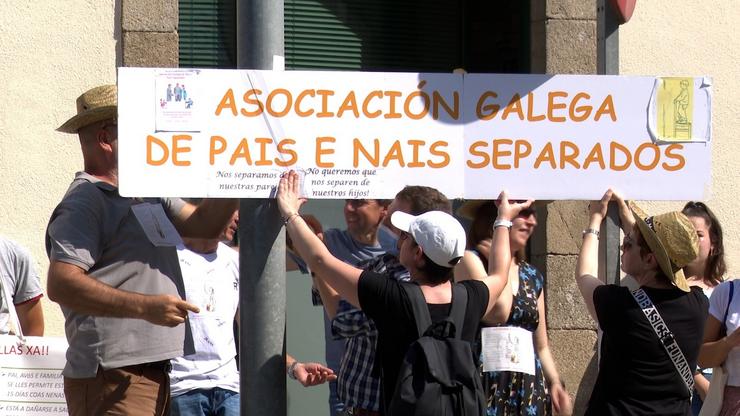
x,y
232,133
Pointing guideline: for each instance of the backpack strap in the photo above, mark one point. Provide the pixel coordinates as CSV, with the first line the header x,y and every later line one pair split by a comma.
x,y
727,309
419,306
459,305
421,309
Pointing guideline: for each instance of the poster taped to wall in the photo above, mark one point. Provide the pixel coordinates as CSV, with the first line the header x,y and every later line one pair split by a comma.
x,y
357,135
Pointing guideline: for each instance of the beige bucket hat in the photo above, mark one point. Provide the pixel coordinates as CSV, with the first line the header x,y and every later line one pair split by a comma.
x,y
97,104
672,238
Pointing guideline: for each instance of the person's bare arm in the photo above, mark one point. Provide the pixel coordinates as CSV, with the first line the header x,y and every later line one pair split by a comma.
x,y
290,254
626,219
469,267
560,398
499,258
329,297
338,274
31,316
207,219
309,374
587,267
701,384
716,347
70,286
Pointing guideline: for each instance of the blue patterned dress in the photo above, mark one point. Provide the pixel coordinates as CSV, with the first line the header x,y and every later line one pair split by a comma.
x,y
511,393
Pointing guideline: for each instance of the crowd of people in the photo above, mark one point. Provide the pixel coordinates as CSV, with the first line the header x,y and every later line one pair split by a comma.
x,y
420,316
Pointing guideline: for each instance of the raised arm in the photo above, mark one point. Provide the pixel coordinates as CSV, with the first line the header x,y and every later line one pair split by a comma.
x,y
587,267
329,297
626,219
70,286
207,219
338,274
469,267
499,258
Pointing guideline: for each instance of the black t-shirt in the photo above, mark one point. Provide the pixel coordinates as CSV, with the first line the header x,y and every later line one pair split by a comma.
x,y
384,300
636,376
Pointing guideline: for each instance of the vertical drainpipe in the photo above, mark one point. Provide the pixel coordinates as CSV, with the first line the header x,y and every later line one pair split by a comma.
x,y
262,242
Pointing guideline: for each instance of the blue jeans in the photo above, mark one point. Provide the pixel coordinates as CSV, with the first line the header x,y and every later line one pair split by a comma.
x,y
201,402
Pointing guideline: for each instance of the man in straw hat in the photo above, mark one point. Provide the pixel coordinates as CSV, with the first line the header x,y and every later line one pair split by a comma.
x,y
114,270
652,335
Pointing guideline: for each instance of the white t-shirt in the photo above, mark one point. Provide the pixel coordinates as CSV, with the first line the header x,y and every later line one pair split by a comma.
x,y
717,307
212,284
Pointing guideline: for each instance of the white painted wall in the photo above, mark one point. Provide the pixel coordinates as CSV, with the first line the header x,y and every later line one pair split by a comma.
x,y
694,38
52,51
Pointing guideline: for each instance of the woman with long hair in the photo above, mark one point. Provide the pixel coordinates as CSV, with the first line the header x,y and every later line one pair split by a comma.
x,y
521,305
706,271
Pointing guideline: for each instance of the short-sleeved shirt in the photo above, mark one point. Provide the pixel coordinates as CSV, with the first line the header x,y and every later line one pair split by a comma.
x,y
717,308
387,304
18,276
636,375
96,229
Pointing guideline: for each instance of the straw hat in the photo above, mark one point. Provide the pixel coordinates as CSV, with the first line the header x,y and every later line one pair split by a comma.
x,y
672,238
97,104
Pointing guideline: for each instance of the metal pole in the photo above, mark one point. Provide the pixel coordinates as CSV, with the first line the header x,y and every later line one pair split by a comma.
x,y
608,63
262,242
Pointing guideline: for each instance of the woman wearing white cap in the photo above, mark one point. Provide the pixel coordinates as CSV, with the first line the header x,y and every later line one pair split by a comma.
x,y
650,340
429,247
514,388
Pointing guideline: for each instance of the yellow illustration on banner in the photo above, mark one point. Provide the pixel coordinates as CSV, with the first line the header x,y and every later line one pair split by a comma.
x,y
675,109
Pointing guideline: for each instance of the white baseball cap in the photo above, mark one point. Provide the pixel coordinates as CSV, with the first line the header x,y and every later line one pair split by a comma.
x,y
439,235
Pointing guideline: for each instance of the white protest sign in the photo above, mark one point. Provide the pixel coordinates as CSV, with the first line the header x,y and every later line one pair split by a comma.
x,y
367,135
31,376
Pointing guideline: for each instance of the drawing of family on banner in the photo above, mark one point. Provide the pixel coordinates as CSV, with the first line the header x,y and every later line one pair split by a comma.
x,y
366,135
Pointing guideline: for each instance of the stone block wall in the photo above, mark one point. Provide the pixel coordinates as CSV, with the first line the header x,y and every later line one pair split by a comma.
x,y
150,33
564,41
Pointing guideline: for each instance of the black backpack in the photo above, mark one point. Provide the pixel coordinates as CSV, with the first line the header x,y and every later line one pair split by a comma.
x,y
438,375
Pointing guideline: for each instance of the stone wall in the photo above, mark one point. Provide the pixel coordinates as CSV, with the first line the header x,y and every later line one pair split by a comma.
x,y
150,33
564,41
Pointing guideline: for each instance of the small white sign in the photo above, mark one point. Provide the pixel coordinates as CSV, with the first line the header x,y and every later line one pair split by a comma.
x,y
507,348
177,101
